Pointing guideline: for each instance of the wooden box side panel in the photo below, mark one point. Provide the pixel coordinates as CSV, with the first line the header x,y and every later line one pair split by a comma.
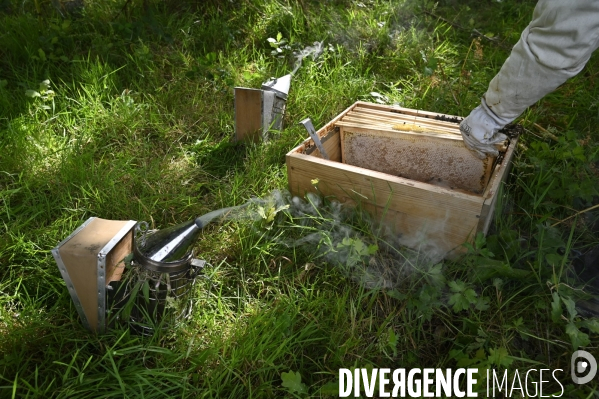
x,y
419,212
498,177
332,145
308,146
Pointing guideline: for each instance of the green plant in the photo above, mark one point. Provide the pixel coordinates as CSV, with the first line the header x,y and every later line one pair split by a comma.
x,y
356,250
292,381
43,95
53,42
137,123
268,213
280,47
571,321
463,297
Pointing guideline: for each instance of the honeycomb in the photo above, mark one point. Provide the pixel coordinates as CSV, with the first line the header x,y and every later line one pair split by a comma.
x,y
432,159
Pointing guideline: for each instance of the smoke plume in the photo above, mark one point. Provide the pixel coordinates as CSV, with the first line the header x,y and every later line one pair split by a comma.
x,y
364,249
314,51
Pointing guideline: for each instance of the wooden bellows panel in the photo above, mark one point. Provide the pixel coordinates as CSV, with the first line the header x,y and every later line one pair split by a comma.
x,y
248,114
88,260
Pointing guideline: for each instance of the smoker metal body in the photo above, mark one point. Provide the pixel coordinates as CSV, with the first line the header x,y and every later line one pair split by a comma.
x,y
168,300
169,270
260,111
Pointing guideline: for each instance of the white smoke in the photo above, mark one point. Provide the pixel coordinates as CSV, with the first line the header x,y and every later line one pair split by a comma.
x,y
368,252
314,51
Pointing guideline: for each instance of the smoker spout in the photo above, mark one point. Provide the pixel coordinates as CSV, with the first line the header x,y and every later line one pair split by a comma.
x,y
177,243
171,247
280,86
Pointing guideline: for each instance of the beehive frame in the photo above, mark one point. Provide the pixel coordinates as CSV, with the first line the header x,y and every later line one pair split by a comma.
x,y
422,213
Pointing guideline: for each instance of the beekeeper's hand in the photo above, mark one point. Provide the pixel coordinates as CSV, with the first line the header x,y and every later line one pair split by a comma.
x,y
480,131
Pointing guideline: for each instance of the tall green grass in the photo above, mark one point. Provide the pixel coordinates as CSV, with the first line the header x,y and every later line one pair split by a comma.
x,y
140,126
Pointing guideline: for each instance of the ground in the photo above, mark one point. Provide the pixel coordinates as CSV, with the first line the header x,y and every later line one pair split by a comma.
x,y
124,110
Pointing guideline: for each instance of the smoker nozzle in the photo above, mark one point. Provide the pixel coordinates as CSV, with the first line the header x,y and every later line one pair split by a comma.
x,y
170,249
280,86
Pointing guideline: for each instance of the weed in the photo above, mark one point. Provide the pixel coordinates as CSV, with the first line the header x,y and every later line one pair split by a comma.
x,y
133,119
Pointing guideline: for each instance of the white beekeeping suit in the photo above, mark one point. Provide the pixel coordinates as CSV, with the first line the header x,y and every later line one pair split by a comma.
x,y
555,46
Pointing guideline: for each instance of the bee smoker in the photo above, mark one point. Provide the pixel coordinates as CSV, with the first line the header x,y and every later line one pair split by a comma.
x,y
121,272
163,273
260,111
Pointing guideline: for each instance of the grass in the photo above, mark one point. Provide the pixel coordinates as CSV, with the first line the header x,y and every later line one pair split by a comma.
x,y
136,122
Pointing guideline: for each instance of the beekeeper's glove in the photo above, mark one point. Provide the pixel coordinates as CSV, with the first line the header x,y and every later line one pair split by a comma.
x,y
480,131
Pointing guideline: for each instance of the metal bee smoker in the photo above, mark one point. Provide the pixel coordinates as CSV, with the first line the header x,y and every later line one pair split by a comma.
x,y
120,272
260,111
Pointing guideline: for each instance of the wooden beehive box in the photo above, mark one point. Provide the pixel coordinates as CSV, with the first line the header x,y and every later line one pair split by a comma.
x,y
409,168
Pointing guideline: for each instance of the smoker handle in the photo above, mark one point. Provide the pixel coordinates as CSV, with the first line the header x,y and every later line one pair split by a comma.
x,y
198,265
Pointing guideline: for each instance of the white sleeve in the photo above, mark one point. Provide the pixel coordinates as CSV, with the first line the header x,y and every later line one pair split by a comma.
x,y
555,46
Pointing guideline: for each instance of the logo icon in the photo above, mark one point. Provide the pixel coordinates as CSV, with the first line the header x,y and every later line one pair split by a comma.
x,y
583,366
